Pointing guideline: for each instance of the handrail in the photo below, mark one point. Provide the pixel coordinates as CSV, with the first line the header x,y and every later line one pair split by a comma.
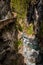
x,y
6,19
5,22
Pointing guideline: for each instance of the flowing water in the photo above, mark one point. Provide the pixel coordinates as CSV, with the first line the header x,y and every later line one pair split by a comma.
x,y
30,50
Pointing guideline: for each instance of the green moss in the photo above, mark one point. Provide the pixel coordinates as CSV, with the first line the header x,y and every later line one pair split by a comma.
x,y
20,28
20,6
29,30
19,42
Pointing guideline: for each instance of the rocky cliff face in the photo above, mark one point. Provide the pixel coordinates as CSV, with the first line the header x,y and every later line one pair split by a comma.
x,y
4,10
7,36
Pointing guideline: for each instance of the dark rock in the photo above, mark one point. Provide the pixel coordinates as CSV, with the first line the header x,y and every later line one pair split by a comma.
x,y
5,9
2,56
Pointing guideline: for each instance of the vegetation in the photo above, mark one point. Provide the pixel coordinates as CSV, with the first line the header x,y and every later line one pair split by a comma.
x,y
20,6
30,29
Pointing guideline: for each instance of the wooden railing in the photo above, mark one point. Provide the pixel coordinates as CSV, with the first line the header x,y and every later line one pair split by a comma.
x,y
5,22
